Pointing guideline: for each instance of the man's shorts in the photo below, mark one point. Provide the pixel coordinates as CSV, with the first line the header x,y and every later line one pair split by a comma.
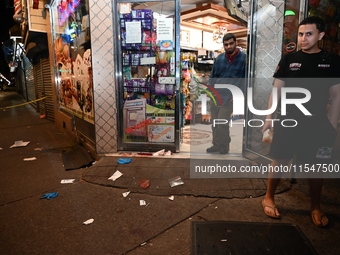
x,y
311,141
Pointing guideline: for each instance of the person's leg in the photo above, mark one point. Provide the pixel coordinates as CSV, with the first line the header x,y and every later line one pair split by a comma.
x,y
223,133
268,202
214,115
318,216
315,187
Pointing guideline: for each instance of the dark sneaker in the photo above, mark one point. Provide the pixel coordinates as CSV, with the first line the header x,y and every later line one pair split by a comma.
x,y
213,148
224,150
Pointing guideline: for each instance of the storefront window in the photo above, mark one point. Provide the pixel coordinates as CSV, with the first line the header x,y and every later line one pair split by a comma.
x,y
72,48
148,72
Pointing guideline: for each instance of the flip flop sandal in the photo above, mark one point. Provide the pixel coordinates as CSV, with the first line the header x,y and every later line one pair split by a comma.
x,y
272,207
320,216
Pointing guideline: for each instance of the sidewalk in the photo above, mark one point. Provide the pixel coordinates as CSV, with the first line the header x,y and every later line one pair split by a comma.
x,y
159,170
30,225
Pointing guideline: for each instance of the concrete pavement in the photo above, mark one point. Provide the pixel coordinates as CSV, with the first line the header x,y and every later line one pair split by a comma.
x,y
30,225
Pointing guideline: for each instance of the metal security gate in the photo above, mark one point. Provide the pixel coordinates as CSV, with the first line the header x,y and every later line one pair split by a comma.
x,y
42,76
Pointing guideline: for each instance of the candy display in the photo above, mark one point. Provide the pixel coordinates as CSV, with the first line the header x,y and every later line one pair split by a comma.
x,y
148,81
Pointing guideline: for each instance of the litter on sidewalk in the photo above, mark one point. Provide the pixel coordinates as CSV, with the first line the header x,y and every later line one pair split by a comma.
x,y
30,159
124,160
65,181
172,198
175,181
48,196
88,222
144,183
115,176
142,202
125,194
20,143
162,153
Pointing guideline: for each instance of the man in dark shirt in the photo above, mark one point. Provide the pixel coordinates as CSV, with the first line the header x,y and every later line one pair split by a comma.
x,y
229,68
311,140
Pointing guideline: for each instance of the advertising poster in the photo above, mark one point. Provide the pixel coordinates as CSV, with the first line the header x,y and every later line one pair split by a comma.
x,y
72,49
75,90
145,123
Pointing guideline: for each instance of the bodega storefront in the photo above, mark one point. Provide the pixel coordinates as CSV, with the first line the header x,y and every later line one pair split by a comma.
x,y
134,51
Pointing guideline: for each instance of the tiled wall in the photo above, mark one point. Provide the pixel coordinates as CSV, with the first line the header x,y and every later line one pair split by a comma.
x,y
101,25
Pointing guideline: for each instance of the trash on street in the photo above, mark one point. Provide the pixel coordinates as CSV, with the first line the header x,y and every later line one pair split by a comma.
x,y
144,183
175,181
125,194
88,222
115,176
30,159
65,181
124,160
48,196
20,143
162,153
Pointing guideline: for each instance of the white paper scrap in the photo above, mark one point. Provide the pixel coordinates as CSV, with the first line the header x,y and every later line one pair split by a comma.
x,y
125,194
172,198
20,143
30,159
0,149
159,153
88,222
67,181
115,176
142,202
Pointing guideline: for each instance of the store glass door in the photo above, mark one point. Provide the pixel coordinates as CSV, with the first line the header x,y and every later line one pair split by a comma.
x,y
268,40
147,67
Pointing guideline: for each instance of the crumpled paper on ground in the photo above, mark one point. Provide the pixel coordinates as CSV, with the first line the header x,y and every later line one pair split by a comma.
x,y
162,153
88,222
115,176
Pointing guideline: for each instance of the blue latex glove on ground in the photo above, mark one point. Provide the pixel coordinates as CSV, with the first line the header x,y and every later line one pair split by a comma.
x,y
50,195
124,160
